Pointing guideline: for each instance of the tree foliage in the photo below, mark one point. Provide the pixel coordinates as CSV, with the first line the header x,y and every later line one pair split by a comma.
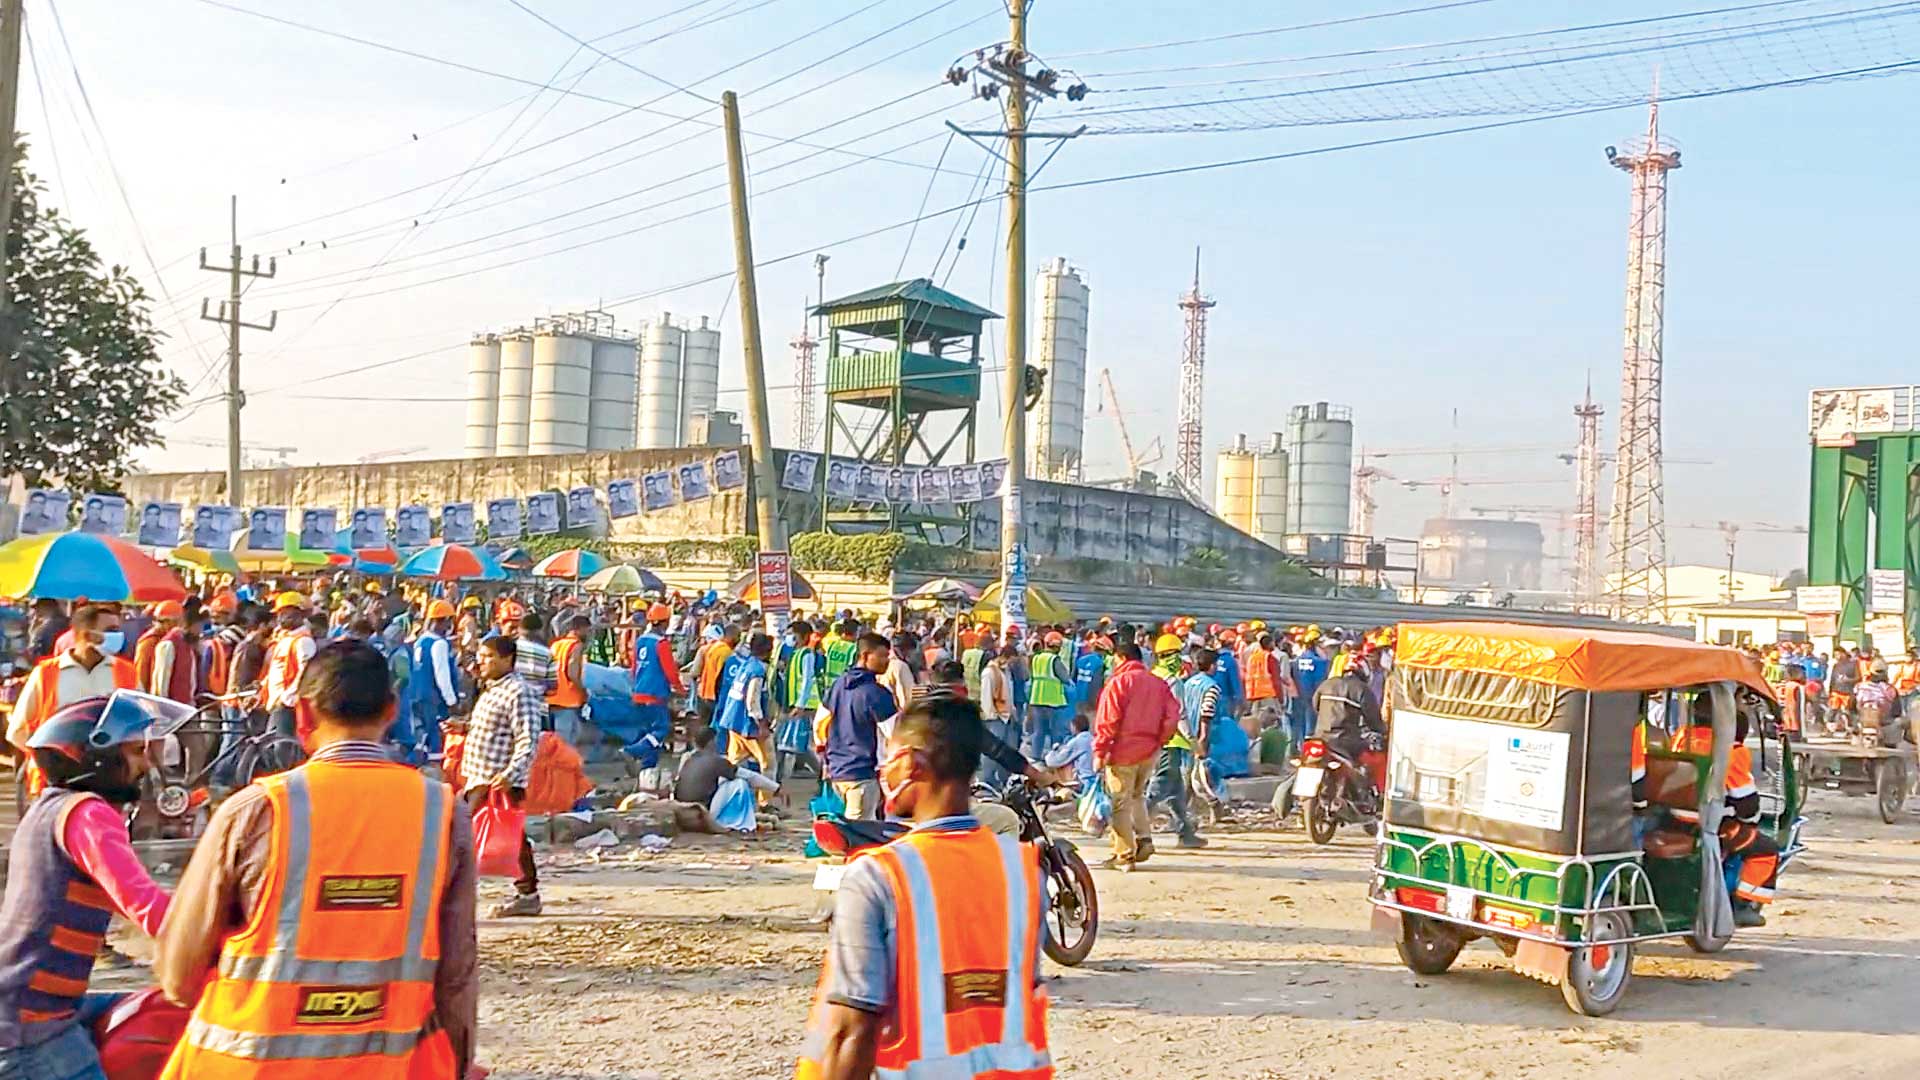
x,y
83,387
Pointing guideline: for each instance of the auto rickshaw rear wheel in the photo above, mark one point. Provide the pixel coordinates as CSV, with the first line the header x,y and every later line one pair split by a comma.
x,y
1598,972
1428,946
1890,785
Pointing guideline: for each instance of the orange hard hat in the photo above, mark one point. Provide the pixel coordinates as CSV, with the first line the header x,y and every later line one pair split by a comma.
x,y
223,603
439,609
169,609
659,613
1054,638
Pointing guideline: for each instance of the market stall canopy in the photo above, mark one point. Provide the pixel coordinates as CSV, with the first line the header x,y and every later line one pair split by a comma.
x,y
1598,660
746,587
73,565
571,564
944,590
454,562
624,580
1041,605
292,557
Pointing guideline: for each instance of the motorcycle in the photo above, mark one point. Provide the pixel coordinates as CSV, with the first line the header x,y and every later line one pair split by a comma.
x,y
1071,917
1332,791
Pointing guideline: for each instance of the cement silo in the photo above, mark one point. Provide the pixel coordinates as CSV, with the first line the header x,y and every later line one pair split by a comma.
x,y
699,376
1251,488
562,381
657,425
1320,487
483,394
611,401
1060,417
516,394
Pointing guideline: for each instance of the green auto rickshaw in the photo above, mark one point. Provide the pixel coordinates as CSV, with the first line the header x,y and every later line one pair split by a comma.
x,y
1513,762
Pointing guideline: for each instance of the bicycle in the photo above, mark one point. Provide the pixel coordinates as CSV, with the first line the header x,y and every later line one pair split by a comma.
x,y
180,786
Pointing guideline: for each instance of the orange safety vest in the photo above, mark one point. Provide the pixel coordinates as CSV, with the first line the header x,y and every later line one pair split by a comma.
x,y
1905,676
566,694
711,665
47,702
283,668
965,1003
332,973
1698,739
1257,672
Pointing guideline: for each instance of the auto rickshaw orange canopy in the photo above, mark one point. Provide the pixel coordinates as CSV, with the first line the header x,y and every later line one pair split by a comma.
x,y
1576,658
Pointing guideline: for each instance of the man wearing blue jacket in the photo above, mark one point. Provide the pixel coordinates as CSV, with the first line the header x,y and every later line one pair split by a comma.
x,y
859,704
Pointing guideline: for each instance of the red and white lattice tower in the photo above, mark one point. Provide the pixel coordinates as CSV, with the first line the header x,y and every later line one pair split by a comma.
x,y
1188,437
804,390
1637,529
1586,500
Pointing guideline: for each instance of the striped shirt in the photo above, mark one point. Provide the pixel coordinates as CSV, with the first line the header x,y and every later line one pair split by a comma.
x,y
534,663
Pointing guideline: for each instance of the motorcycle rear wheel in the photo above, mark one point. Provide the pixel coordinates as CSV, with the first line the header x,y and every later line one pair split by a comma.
x,y
1072,915
1321,820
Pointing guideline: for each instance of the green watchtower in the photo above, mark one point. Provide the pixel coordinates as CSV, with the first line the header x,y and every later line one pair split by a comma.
x,y
903,389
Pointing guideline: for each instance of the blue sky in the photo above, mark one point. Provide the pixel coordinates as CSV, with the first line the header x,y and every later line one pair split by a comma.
x,y
1480,272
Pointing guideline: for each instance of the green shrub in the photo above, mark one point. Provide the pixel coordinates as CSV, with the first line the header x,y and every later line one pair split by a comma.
x,y
869,556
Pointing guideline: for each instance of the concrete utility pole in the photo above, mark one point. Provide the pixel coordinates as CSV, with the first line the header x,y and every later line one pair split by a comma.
x,y
1013,560
230,315
760,439
12,14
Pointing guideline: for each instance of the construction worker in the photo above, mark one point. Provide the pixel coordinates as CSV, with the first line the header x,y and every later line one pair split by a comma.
x,y
656,678
163,661
569,693
973,658
1740,833
287,657
932,968
747,715
1226,672
1047,713
709,670
325,924
89,668
1199,696
70,868
1091,670
434,686
841,646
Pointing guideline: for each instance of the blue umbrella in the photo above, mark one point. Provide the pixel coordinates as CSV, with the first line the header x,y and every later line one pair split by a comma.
x,y
454,562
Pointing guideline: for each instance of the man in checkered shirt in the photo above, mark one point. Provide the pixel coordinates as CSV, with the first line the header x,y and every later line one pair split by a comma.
x,y
501,737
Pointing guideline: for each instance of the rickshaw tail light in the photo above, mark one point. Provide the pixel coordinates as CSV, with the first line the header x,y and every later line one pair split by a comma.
x,y
1422,899
1511,918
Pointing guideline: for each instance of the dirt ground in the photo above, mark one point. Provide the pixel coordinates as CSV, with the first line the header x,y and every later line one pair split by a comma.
x,y
1251,959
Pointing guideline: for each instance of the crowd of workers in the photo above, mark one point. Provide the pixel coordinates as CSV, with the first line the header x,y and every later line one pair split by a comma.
x,y
303,879
1822,693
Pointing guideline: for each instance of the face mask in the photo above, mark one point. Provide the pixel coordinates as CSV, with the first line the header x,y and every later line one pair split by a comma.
x,y
112,641
898,763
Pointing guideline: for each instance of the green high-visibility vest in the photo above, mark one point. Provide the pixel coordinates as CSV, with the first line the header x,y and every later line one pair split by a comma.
x,y
839,657
1046,688
972,661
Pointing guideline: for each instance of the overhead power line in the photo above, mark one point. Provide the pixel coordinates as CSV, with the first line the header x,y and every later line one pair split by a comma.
x,y
1268,32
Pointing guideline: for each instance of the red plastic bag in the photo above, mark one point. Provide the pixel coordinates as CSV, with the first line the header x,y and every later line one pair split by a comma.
x,y
136,1036
499,828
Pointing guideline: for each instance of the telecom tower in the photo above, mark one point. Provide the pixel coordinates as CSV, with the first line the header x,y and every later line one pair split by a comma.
x,y
1586,494
1187,464
1637,585
805,389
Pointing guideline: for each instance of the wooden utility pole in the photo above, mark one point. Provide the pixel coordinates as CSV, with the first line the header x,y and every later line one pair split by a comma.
x,y
12,13
230,315
1013,559
760,439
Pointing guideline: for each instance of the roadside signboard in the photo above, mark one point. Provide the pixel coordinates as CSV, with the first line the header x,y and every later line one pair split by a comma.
x,y
1887,592
775,572
1820,598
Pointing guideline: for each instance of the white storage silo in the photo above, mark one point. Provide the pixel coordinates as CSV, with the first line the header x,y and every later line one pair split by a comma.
x,y
1250,489
699,376
1060,417
657,425
611,404
562,380
1320,489
483,394
516,394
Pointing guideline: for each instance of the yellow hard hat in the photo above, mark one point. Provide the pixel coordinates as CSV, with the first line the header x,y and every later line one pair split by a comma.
x,y
289,599
1167,643
374,589
471,602
439,609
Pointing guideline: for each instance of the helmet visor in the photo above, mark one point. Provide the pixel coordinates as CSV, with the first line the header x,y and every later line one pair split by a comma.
x,y
132,715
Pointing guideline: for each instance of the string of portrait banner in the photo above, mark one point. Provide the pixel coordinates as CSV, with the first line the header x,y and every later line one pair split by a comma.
x,y
267,528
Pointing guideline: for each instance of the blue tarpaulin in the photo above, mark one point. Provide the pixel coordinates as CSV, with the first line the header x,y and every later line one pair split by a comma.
x,y
610,699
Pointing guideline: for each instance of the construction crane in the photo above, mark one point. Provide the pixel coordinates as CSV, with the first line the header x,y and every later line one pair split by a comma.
x,y
1364,503
1110,398
384,455
285,453
1730,532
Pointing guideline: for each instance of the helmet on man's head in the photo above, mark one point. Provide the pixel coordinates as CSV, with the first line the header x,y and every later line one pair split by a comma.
x,y
78,747
1167,644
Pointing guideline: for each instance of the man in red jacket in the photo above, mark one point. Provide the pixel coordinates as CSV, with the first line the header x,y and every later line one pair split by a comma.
x,y
1136,716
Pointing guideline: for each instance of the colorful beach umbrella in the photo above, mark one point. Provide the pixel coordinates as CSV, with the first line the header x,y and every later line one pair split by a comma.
x,y
69,566
944,590
571,564
454,562
384,555
215,562
624,580
746,587
516,558
291,557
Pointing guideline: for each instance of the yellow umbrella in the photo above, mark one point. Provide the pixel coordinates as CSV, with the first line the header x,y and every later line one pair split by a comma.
x,y
289,559
1041,605
213,562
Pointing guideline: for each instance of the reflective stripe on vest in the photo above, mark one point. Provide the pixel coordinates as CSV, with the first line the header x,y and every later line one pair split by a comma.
x,y
1045,687
289,987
